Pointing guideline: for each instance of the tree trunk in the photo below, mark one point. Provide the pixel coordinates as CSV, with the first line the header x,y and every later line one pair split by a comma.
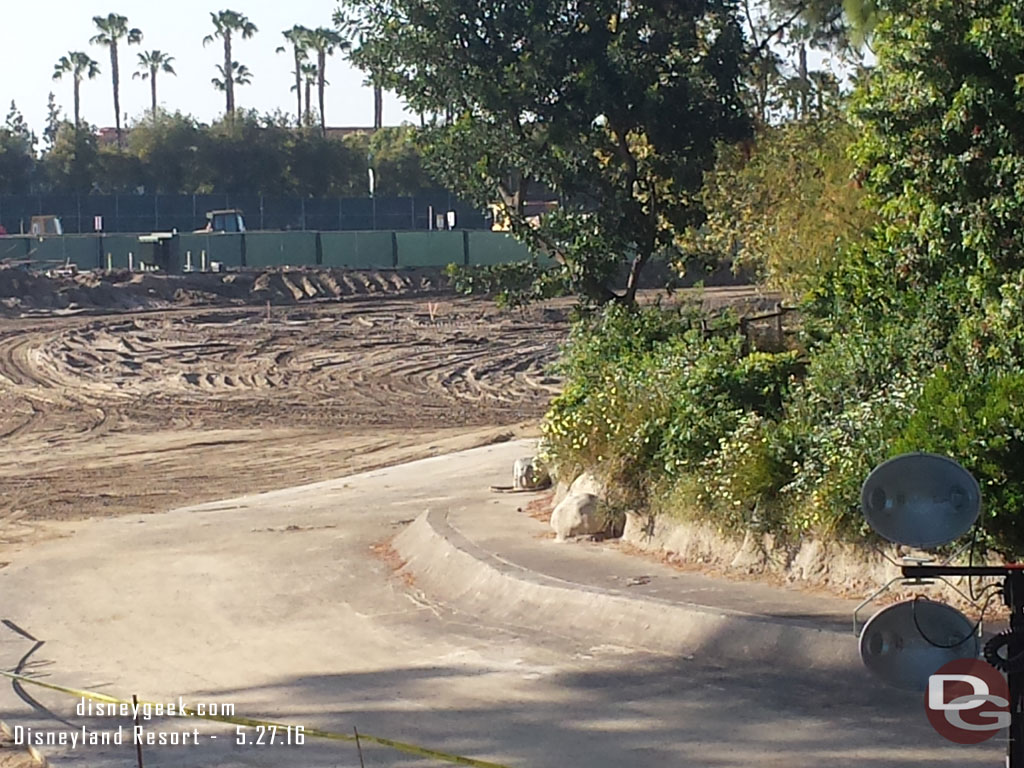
x,y
298,87
320,76
378,107
229,77
152,89
309,100
633,281
78,82
805,85
115,75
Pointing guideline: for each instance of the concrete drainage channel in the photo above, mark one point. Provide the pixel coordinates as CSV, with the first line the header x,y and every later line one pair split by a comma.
x,y
448,566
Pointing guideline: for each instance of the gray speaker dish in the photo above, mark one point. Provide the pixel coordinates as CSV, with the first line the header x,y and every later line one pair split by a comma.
x,y
905,643
921,500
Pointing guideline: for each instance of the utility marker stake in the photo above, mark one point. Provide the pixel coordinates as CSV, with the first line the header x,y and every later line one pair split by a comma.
x,y
359,748
138,742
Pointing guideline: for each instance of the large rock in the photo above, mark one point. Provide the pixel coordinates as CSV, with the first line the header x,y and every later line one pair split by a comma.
x,y
585,483
576,515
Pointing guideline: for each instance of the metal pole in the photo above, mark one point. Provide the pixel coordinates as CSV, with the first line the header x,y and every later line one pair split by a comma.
x,y
1013,595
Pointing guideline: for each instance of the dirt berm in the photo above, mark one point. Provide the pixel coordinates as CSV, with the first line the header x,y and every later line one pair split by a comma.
x,y
24,291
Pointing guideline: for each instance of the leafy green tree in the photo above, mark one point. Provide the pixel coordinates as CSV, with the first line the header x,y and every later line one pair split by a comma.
x,y
941,120
112,29
397,163
296,37
785,206
79,66
71,164
319,167
53,120
152,63
323,41
244,155
17,154
613,107
227,24
169,148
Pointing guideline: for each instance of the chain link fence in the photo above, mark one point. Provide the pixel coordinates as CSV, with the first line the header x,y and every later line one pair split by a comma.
x,y
86,214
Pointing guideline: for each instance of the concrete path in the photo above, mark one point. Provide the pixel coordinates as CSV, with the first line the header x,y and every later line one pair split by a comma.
x,y
302,606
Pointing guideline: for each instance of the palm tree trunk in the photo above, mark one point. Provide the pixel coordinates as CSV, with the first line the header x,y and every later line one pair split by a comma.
x,y
322,64
378,107
229,77
152,88
115,75
309,99
298,87
78,82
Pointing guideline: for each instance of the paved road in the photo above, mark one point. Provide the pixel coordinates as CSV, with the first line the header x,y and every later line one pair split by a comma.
x,y
288,606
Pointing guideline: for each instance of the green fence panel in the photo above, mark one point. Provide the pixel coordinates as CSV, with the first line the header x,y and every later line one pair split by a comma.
x,y
273,249
358,250
83,251
116,250
430,249
226,249
15,248
193,249
486,248
47,252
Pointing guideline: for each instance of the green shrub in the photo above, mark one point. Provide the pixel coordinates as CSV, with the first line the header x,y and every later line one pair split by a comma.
x,y
979,422
649,395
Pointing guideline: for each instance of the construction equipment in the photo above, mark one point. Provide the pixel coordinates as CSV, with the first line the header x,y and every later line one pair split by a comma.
x,y
227,220
45,225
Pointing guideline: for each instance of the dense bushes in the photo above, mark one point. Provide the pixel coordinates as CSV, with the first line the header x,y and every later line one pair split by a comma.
x,y
679,419
914,330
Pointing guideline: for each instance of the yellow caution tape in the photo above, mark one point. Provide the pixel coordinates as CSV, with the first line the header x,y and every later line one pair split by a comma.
x,y
401,746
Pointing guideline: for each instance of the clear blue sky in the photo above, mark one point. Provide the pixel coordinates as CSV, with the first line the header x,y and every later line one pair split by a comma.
x,y
36,35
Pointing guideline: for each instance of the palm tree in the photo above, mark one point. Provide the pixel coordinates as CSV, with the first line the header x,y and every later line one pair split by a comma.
x,y
112,28
352,26
226,24
150,63
79,65
297,37
310,75
240,75
324,41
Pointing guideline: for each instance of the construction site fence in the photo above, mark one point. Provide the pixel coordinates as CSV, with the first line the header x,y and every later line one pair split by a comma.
x,y
202,252
82,214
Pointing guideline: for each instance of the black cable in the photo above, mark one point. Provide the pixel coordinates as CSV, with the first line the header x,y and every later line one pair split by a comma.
x,y
974,629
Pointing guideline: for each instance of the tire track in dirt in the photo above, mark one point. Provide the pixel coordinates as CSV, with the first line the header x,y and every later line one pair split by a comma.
x,y
115,414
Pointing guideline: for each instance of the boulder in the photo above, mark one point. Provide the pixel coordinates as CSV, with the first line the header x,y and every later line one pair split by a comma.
x,y
587,483
576,515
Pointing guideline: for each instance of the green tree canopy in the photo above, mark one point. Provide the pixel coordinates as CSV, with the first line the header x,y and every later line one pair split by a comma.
x,y
614,107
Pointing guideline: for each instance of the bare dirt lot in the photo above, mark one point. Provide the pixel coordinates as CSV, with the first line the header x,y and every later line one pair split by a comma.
x,y
144,412
210,386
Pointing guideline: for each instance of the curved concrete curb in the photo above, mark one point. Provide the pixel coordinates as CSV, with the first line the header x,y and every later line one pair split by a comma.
x,y
446,565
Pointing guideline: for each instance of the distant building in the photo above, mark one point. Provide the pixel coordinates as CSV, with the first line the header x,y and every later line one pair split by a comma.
x,y
107,137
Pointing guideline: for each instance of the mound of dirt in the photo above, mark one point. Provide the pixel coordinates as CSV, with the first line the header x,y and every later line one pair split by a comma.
x,y
24,291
